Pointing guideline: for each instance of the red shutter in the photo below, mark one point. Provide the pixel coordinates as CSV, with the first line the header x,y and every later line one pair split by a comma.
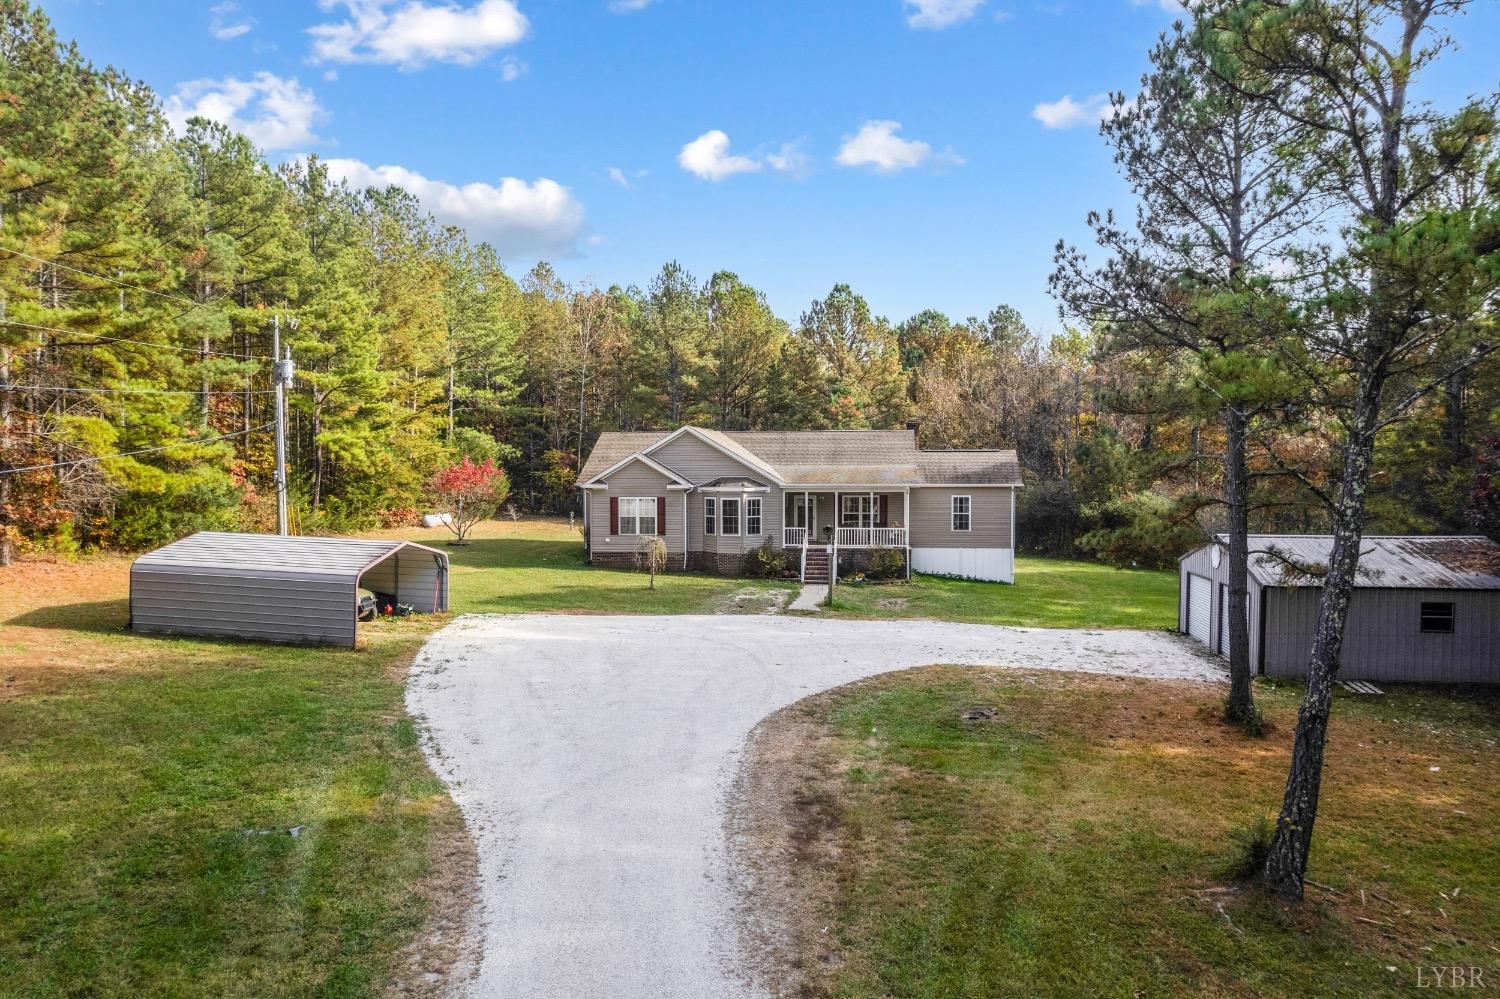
x,y
614,515
885,512
661,515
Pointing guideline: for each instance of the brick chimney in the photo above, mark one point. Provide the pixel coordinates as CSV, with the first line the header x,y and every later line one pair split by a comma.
x,y
915,426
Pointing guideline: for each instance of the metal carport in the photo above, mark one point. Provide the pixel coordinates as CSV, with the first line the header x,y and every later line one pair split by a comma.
x,y
278,589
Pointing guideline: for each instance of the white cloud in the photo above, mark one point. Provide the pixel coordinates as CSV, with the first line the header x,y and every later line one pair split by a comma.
x,y
618,176
518,217
877,145
708,157
629,6
274,112
225,21
415,33
937,14
1065,112
512,69
791,159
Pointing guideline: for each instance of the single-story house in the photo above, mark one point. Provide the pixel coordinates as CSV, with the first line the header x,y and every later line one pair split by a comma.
x,y
816,496
1424,609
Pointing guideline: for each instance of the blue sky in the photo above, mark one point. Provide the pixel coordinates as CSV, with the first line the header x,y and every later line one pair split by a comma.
x,y
921,151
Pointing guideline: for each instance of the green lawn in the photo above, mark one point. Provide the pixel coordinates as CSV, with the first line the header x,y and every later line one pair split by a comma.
x,y
1047,593
1077,842
148,786
538,565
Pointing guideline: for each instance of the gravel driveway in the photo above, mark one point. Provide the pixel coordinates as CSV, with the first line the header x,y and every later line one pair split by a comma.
x,y
592,757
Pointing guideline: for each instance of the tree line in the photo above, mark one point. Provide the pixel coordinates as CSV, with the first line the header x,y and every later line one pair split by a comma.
x,y
141,272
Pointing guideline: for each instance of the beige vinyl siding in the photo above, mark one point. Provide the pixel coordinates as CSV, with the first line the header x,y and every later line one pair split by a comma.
x,y
932,517
700,462
635,479
1383,639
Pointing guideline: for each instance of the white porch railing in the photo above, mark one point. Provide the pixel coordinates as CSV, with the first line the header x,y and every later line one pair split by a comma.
x,y
793,537
872,537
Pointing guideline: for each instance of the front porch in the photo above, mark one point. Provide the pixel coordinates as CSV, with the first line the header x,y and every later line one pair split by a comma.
x,y
836,529
845,519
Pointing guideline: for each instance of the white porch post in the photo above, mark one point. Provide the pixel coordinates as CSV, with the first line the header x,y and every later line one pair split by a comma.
x,y
906,519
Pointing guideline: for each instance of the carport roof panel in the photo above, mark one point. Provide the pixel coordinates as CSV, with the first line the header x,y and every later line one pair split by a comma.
x,y
261,553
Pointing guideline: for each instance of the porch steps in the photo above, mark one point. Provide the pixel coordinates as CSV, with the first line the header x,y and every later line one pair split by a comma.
x,y
817,570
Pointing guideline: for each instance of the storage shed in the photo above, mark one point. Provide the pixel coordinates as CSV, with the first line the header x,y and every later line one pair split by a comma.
x,y
278,589
1424,609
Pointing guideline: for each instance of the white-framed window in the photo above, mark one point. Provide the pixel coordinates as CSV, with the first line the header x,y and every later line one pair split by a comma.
x,y
637,515
710,515
752,515
858,511
729,514
963,513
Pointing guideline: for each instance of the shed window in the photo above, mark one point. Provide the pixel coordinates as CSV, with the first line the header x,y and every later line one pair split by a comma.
x,y
637,515
1437,618
752,515
710,515
731,511
962,513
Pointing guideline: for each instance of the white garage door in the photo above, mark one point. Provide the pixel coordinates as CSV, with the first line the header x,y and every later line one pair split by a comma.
x,y
1200,608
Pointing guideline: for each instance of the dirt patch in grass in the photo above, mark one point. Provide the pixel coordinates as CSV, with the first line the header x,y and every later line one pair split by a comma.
x,y
1001,833
445,952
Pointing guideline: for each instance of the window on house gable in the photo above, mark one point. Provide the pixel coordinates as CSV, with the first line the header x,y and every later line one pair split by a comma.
x,y
637,515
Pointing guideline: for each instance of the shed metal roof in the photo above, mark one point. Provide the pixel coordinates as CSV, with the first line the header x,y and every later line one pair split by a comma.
x,y
1437,562
272,554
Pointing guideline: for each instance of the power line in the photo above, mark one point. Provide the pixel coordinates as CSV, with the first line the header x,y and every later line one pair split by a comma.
x,y
108,280
133,391
120,339
129,454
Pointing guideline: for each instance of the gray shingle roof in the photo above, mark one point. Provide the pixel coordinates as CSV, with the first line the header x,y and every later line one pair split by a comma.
x,y
1454,562
832,457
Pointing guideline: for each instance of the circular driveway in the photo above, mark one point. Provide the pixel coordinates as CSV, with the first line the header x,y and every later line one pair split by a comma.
x,y
592,758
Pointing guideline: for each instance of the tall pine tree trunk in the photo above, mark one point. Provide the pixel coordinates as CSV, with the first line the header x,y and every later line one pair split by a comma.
x,y
1286,862
5,408
1240,705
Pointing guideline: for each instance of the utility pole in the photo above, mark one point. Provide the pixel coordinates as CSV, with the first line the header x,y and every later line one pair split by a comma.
x,y
281,375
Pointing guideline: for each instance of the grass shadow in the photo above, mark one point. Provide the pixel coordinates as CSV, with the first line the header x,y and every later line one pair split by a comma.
x,y
100,616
